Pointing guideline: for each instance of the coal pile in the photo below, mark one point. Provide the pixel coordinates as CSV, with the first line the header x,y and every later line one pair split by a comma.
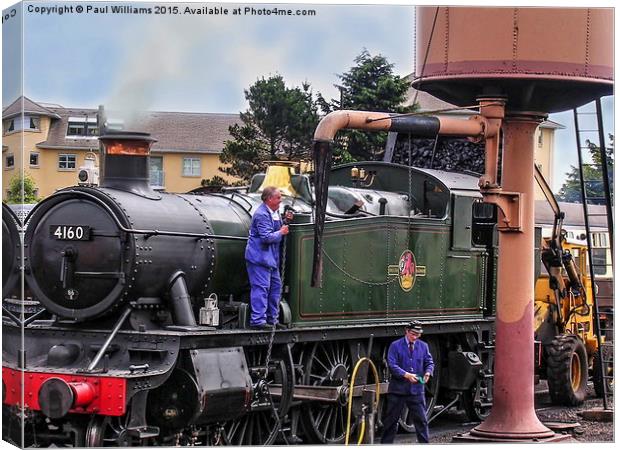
x,y
454,155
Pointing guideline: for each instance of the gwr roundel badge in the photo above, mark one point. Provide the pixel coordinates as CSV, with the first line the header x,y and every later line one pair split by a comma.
x,y
407,270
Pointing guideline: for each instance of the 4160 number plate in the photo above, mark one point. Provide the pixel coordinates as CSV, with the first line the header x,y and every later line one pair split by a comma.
x,y
70,232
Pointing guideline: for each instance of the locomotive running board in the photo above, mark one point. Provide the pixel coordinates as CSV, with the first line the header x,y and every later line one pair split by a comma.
x,y
327,394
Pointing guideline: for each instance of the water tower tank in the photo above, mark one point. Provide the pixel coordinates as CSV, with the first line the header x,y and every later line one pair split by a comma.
x,y
543,59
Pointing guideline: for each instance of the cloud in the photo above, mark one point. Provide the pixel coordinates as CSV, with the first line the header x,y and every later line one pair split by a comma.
x,y
203,62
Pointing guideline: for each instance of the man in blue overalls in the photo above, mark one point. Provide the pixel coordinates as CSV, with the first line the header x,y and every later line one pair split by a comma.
x,y
411,365
262,257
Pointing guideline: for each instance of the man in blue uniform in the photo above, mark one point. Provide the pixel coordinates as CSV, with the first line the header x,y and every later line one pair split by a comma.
x,y
411,365
262,257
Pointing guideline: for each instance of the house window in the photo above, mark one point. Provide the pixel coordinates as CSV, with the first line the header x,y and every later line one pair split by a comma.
x,y
156,171
23,123
9,161
82,127
34,159
191,167
75,129
599,240
66,161
540,139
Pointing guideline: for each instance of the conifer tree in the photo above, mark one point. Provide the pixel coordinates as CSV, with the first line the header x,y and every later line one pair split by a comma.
x,y
279,122
571,189
370,85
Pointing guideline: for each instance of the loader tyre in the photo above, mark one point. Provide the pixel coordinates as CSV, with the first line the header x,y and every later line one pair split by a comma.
x,y
608,370
567,370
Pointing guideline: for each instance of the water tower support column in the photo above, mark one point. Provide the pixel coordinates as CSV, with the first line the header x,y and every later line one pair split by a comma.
x,y
513,417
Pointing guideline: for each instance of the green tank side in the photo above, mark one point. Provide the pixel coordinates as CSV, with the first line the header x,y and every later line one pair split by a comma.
x,y
374,269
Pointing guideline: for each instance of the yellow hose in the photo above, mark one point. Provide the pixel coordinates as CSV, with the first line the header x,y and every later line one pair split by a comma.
x,y
377,394
362,431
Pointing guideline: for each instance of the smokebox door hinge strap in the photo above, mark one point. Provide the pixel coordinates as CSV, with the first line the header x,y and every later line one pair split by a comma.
x,y
509,204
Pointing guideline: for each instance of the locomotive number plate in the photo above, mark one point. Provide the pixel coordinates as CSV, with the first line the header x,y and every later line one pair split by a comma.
x,y
70,232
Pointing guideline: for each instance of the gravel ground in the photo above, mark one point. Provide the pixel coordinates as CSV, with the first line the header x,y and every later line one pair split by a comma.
x,y
449,424
589,430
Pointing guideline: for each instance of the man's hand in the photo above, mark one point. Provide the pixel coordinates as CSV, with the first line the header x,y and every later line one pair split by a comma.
x,y
412,378
284,230
426,377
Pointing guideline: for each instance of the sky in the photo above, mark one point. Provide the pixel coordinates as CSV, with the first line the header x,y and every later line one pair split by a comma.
x,y
565,149
199,63
203,63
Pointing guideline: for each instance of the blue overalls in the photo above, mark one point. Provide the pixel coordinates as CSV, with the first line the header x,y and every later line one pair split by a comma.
x,y
262,255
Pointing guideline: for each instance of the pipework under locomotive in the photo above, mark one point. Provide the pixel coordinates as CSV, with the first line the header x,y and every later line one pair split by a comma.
x,y
148,294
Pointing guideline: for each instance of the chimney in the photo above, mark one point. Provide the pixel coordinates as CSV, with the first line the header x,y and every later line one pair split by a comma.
x,y
124,162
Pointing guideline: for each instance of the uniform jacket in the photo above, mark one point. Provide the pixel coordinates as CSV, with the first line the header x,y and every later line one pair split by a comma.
x,y
263,246
400,362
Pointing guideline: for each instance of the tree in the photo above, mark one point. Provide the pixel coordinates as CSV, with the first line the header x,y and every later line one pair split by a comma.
x,y
571,189
279,122
370,85
22,190
213,182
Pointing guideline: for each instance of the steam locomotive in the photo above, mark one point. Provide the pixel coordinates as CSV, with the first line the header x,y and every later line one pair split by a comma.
x,y
145,336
